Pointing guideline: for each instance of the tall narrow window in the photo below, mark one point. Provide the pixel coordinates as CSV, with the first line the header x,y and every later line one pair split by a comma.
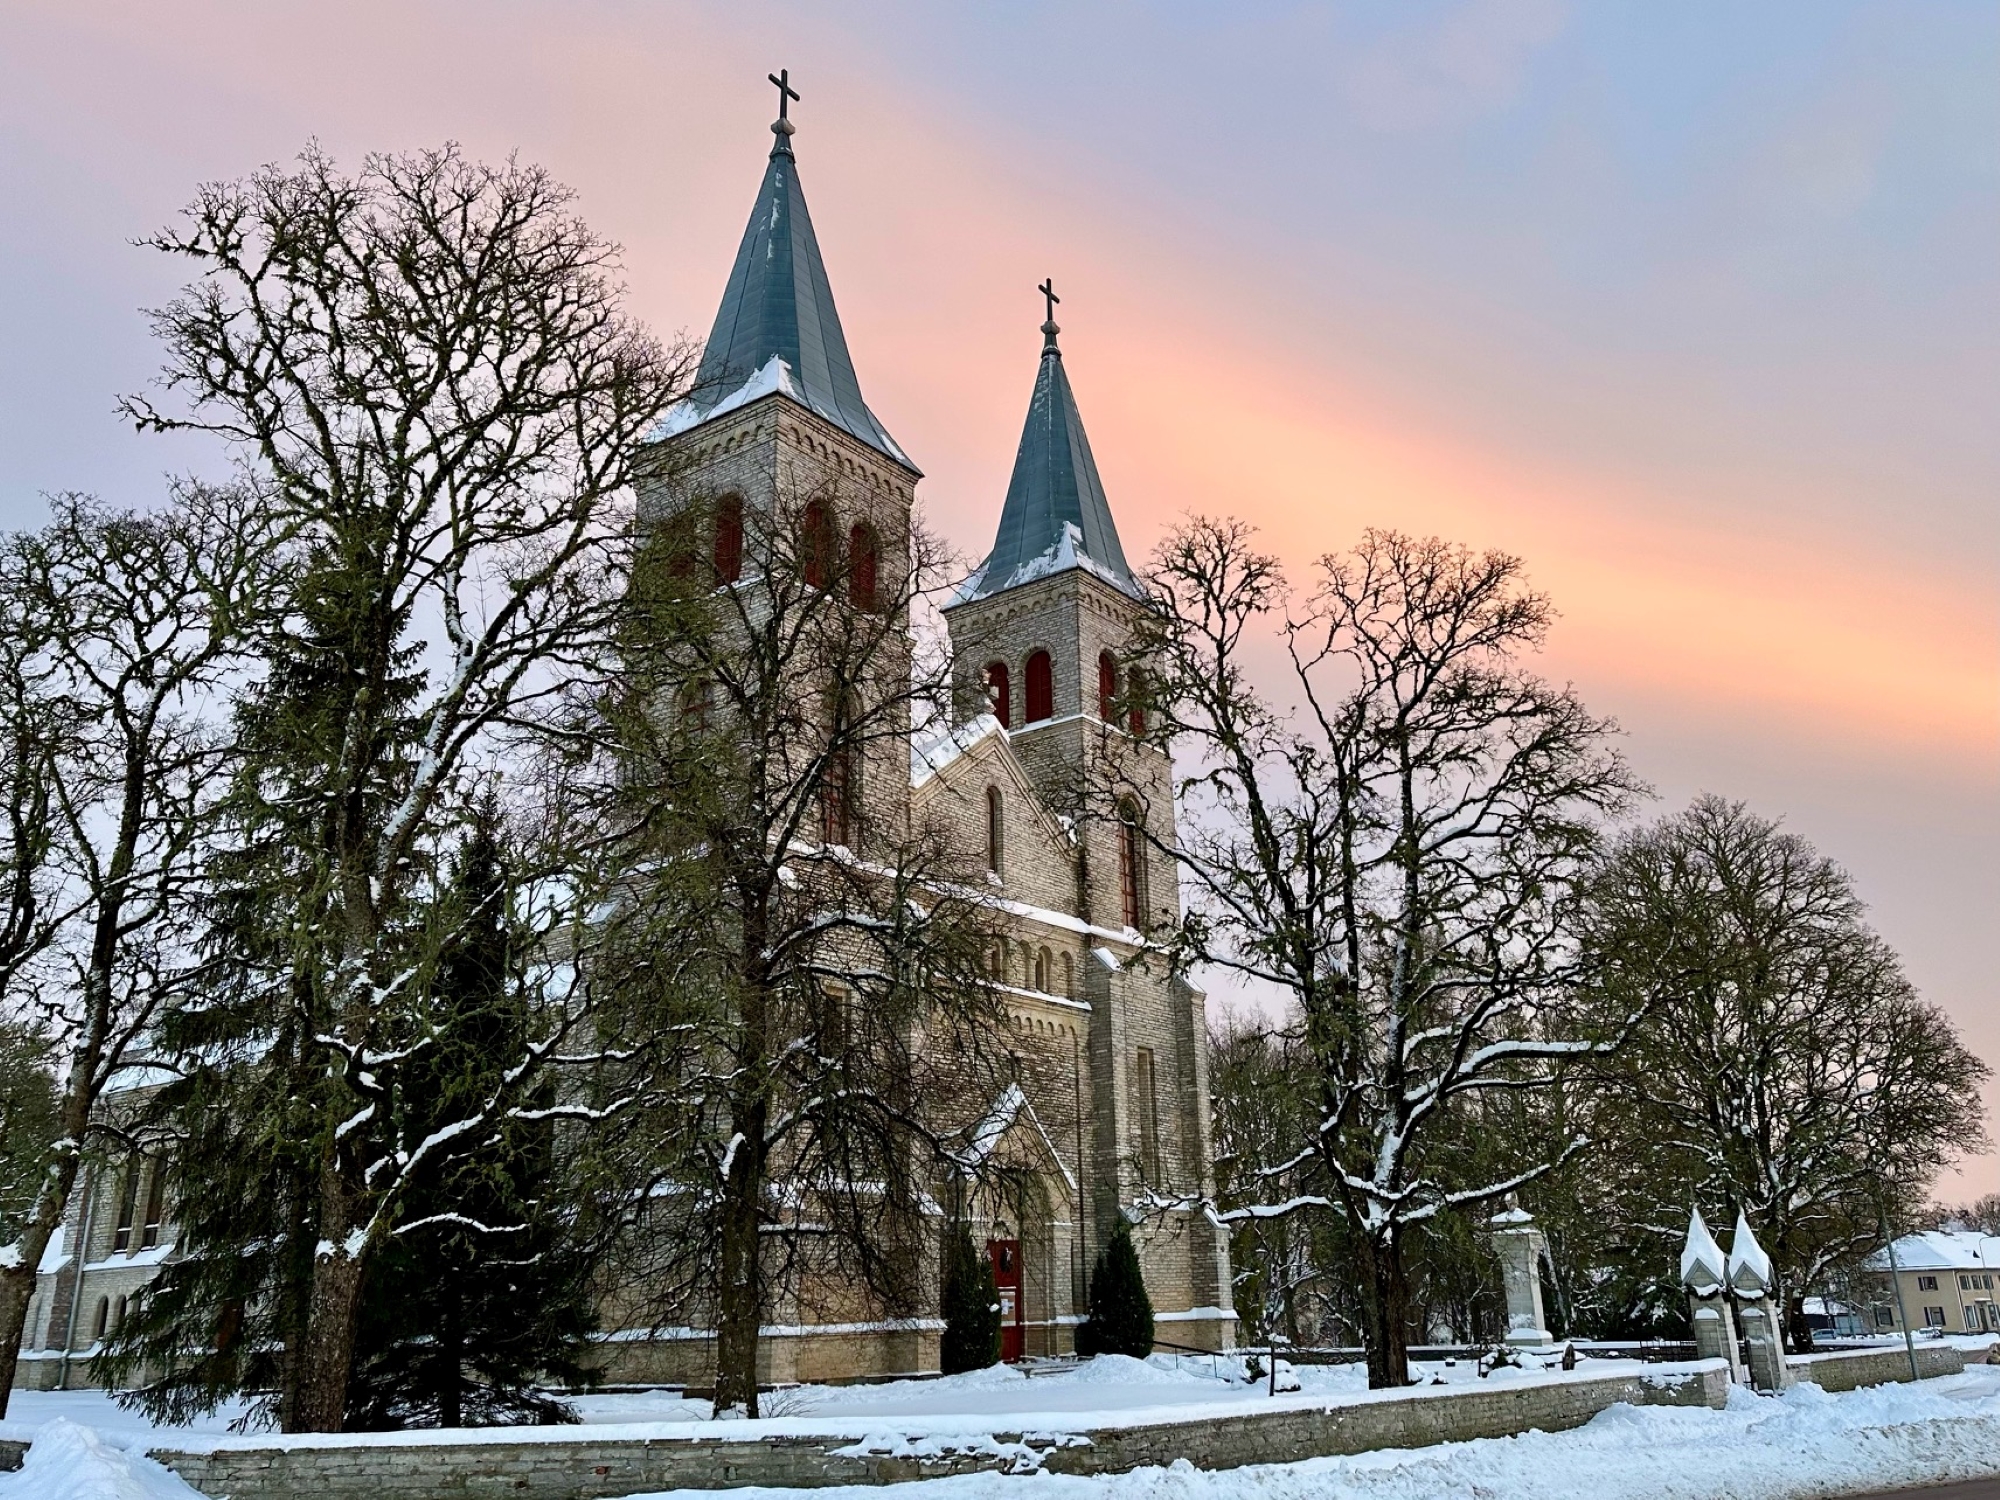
x,y
156,1204
1042,964
997,692
996,829
1147,1105
836,798
1041,689
817,544
1107,685
1131,870
1069,976
864,562
728,552
103,1317
1135,700
128,1206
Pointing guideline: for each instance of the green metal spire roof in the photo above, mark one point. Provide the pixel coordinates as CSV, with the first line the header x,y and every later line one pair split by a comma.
x,y
1056,517
777,330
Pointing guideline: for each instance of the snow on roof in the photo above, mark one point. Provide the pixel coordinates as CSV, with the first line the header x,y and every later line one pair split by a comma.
x,y
934,748
1067,551
1942,1250
1749,1266
773,378
1702,1261
986,1136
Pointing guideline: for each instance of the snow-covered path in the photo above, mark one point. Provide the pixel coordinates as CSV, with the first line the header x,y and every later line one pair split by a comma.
x,y
1803,1446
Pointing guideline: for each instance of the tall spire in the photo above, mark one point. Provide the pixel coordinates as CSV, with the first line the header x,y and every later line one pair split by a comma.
x,y
1056,517
777,330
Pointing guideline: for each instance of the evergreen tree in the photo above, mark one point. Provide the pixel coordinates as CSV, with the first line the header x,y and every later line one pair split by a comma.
x,y
971,1306
484,1292
1121,1314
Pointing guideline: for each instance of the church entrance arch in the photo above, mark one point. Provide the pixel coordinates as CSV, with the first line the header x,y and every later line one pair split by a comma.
x,y
1005,1256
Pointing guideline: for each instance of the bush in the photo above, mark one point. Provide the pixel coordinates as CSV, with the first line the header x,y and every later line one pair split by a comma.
x,y
971,1306
1121,1314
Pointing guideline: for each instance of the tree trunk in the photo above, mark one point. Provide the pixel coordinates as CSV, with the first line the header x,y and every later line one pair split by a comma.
x,y
332,1316
450,1363
740,1300
1386,1305
17,1285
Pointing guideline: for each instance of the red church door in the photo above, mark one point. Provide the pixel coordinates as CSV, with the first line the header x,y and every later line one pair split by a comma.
x,y
1006,1258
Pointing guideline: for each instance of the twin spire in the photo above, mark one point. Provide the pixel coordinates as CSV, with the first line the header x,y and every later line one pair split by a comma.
x,y
777,332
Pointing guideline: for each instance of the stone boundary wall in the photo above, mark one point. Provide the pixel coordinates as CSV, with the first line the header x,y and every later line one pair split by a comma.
x,y
579,1467
1851,1369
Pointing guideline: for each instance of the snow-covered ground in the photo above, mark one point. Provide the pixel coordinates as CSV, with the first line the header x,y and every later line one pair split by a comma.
x,y
1802,1446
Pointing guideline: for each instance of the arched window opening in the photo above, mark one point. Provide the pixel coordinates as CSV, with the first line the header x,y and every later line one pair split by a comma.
x,y
1069,976
118,1310
156,1205
1135,700
838,790
1131,863
817,544
728,549
1041,687
103,1317
996,829
128,1205
1042,971
1107,685
997,692
864,562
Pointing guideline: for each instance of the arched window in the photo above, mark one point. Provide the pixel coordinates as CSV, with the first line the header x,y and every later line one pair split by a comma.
x,y
864,561
156,1205
1135,695
1069,976
996,829
838,790
997,692
97,1324
128,1206
1041,687
1107,685
1042,971
816,542
118,1310
1131,863
728,550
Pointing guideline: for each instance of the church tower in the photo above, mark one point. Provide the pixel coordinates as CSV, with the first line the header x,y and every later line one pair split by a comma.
x,y
775,434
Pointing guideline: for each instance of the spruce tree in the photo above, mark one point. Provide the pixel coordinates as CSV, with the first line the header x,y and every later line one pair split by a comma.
x,y
971,1307
1121,1314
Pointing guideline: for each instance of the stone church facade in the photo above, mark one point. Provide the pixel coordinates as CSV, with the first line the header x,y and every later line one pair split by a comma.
x,y
1037,777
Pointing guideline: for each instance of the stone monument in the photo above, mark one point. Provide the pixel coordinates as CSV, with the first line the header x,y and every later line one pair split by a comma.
x,y
1520,1244
1705,1274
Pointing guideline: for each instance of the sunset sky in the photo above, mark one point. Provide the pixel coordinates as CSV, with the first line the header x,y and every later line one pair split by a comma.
x,y
1694,306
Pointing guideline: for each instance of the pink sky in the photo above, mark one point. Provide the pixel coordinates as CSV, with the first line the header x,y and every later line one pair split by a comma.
x,y
1694,322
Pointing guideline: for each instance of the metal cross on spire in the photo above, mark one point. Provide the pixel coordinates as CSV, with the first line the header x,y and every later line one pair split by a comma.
x,y
1050,299
786,93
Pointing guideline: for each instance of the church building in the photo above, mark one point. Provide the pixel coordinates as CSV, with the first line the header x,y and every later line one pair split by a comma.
x,y
1111,1109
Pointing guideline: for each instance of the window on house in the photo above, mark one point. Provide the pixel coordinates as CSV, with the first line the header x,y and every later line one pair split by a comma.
x,y
128,1206
997,693
816,543
1041,702
1933,1317
996,829
156,1205
864,562
1131,869
1148,1106
727,554
696,695
1972,1320
1884,1318
1107,685
1927,1283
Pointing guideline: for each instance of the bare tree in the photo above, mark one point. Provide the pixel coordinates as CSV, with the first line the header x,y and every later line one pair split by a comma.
x,y
807,968
428,365
1789,1071
1399,850
139,619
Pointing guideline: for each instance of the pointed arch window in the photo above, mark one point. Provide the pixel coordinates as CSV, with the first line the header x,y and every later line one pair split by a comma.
x,y
128,1205
816,542
1135,700
837,791
1041,689
997,692
996,829
1131,863
1107,686
156,1206
727,553
864,564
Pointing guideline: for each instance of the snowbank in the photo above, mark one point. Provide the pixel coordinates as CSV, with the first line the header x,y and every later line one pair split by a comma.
x,y
70,1462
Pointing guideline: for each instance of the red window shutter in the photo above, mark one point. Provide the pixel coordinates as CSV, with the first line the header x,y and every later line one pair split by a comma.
x,y
1107,685
864,556
728,554
1041,689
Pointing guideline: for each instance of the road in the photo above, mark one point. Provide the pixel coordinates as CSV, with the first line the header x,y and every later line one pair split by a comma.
x,y
1971,1489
